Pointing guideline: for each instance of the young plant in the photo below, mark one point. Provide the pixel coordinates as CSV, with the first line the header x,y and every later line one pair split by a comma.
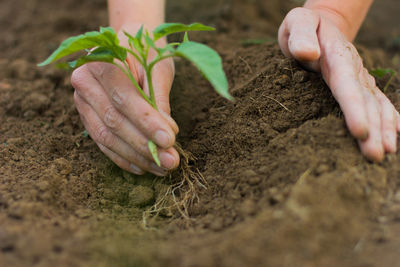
x,y
381,73
103,46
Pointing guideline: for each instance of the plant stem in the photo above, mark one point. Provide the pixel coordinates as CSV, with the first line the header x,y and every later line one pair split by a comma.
x,y
389,81
128,73
135,55
155,61
151,88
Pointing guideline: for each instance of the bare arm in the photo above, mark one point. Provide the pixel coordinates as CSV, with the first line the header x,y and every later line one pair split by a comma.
x,y
148,12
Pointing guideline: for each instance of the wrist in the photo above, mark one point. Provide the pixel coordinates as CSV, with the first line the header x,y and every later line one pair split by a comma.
x,y
136,12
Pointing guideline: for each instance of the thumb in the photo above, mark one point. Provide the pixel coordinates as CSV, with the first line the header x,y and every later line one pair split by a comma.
x,y
298,37
163,76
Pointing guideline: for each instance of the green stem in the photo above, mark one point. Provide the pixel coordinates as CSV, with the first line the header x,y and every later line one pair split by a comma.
x,y
128,73
389,81
155,61
151,88
135,55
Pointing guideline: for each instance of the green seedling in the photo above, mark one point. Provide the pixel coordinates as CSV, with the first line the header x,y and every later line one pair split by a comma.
x,y
249,42
381,73
103,46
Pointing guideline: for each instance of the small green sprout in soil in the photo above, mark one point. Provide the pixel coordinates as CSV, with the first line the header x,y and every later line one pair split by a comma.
x,y
250,42
381,73
103,46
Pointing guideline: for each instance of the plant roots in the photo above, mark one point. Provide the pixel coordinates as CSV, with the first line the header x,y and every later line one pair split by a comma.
x,y
183,192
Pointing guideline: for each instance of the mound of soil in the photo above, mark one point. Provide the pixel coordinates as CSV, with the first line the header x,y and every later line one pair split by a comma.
x,y
287,185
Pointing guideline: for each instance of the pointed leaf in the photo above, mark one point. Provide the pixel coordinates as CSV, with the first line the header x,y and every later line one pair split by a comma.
x,y
98,55
139,33
153,151
106,37
135,43
208,62
380,73
186,37
170,28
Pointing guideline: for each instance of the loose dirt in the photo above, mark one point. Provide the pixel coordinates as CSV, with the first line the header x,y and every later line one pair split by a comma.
x,y
286,183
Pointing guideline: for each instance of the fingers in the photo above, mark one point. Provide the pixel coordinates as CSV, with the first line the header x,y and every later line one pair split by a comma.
x,y
389,117
113,146
340,66
372,147
111,129
127,100
369,115
298,37
92,92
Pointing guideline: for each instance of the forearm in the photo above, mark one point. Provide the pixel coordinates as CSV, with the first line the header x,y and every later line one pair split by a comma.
x,y
348,15
147,12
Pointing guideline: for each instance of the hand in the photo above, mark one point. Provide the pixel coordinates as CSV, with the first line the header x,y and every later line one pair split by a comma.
x,y
313,38
119,120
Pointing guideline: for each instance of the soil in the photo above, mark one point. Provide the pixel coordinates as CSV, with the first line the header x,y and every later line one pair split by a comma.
x,y
287,185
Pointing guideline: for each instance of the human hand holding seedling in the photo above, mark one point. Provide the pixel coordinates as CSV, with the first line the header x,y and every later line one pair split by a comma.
x,y
123,107
119,119
318,36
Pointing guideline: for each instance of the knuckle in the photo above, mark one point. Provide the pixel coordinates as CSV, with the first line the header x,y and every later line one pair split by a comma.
x,y
104,136
297,11
98,69
146,120
78,77
118,98
294,14
112,118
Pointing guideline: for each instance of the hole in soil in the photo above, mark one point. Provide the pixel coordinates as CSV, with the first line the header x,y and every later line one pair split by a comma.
x,y
273,201
9,248
57,249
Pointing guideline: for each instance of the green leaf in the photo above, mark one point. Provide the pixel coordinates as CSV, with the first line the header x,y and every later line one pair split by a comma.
x,y
249,42
153,151
170,28
380,73
99,54
208,62
139,33
186,37
135,43
106,38
149,41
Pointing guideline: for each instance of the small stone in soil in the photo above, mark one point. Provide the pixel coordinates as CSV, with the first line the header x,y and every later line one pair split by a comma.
x,y
141,196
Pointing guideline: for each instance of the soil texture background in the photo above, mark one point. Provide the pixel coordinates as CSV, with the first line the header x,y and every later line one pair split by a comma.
x,y
287,185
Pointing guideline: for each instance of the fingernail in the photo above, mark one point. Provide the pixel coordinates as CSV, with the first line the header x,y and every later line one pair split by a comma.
x,y
157,170
167,160
162,138
135,169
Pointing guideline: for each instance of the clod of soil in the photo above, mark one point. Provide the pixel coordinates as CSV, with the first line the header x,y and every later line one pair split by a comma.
x,y
286,183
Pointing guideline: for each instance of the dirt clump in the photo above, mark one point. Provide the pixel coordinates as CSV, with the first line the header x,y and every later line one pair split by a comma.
x,y
286,183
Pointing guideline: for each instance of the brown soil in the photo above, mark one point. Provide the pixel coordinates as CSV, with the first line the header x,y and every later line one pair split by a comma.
x,y
287,185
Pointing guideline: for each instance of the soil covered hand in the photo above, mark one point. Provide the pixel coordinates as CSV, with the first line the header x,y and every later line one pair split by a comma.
x,y
314,37
117,117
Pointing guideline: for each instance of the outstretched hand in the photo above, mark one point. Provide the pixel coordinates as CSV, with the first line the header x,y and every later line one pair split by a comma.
x,y
316,42
119,120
